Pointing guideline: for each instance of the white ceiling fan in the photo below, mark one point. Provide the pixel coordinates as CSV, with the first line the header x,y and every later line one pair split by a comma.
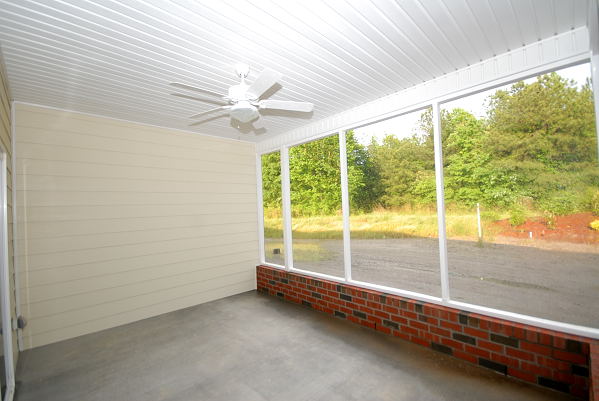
x,y
244,101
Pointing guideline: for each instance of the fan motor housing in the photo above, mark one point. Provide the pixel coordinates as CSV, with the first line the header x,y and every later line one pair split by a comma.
x,y
243,111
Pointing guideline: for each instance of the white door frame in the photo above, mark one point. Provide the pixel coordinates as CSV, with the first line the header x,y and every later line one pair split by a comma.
x,y
5,303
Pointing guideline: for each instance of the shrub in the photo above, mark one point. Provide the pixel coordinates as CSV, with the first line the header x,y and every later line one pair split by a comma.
x,y
593,202
594,225
517,216
560,204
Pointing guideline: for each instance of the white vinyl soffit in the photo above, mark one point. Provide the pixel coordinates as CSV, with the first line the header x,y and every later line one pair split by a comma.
x,y
116,59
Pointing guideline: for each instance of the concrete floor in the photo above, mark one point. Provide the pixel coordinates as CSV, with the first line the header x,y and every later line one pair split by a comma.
x,y
253,347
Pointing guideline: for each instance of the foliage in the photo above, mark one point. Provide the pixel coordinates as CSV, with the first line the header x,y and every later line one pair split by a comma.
x,y
595,225
537,145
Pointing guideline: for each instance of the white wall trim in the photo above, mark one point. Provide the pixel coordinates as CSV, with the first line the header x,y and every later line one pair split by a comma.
x,y
15,265
562,50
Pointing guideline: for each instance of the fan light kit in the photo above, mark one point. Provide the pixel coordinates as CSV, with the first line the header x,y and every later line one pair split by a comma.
x,y
244,101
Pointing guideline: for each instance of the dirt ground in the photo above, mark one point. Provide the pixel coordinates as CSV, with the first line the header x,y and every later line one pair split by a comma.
x,y
547,282
574,228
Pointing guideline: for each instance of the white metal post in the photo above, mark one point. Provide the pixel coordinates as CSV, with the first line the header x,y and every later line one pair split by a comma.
x,y
480,227
286,195
440,202
260,200
5,286
345,206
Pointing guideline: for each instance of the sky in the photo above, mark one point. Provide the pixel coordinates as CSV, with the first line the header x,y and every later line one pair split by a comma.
x,y
405,125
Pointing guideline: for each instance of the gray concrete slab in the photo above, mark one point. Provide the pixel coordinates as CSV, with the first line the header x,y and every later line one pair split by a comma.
x,y
252,347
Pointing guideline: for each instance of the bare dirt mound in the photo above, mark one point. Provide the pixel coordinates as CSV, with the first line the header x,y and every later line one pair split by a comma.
x,y
571,228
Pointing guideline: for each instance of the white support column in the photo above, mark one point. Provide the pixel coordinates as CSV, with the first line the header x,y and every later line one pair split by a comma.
x,y
593,18
345,206
260,200
440,202
286,195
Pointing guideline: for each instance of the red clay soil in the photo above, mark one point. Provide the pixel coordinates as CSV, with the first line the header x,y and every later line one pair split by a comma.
x,y
572,228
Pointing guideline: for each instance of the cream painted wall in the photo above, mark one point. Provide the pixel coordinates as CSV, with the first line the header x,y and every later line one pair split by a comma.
x,y
119,221
5,140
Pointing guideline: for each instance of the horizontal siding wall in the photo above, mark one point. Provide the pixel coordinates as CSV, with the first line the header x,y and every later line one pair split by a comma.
x,y
5,140
117,221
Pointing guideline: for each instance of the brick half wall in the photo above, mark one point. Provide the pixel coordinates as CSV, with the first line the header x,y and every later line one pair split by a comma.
x,y
544,357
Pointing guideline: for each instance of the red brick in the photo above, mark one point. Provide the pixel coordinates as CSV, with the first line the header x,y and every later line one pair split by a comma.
x,y
384,315
409,330
477,351
559,342
402,335
506,360
553,363
465,356
440,331
476,332
520,354
526,376
536,348
420,341
545,339
408,314
418,325
490,346
536,369
569,356
451,343
383,329
391,309
399,319
453,326
368,324
564,377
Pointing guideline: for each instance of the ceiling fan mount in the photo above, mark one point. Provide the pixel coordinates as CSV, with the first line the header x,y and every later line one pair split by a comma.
x,y
243,101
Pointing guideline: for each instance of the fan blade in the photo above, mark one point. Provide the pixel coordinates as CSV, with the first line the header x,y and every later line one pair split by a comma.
x,y
209,111
264,82
207,119
286,105
194,88
200,99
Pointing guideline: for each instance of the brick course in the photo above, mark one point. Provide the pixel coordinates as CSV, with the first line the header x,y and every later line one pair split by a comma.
x,y
548,358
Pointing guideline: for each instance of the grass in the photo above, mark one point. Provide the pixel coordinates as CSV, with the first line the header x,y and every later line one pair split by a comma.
x,y
302,252
382,224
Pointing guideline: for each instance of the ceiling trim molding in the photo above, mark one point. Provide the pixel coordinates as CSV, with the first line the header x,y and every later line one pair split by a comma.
x,y
568,48
132,122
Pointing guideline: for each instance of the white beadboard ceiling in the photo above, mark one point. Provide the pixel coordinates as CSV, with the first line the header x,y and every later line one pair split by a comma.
x,y
116,58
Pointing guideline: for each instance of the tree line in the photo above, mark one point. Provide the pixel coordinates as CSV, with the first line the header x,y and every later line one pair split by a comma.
x,y
536,148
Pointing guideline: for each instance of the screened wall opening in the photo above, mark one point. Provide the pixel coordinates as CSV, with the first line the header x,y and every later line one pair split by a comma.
x,y
274,248
315,192
521,170
393,203
518,171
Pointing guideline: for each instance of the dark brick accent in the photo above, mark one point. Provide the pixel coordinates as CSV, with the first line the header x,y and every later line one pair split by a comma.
x,y
441,348
316,295
464,338
403,304
272,282
306,303
359,314
463,318
573,346
345,297
280,294
389,323
559,386
472,321
383,299
422,318
580,370
512,342
284,281
419,308
339,314
499,367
